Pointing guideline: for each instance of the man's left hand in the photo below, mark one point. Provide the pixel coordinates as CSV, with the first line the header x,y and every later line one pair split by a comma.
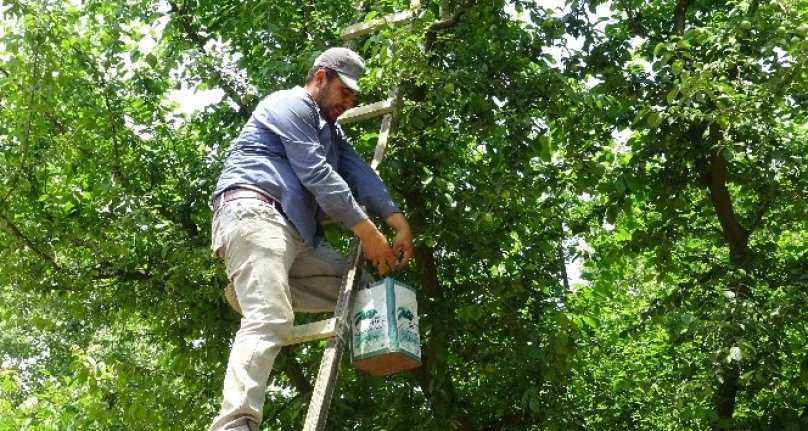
x,y
402,244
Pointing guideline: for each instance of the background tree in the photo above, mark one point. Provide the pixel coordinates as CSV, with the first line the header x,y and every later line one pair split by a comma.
x,y
661,143
699,195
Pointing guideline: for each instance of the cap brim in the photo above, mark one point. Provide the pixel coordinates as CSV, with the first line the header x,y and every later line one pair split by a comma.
x,y
349,82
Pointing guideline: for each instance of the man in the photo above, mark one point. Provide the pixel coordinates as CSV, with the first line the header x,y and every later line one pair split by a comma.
x,y
290,161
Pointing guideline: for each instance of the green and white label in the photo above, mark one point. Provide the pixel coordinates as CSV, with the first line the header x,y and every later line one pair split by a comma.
x,y
384,320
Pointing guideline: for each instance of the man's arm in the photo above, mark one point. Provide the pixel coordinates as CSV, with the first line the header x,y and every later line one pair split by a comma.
x,y
372,192
365,183
376,248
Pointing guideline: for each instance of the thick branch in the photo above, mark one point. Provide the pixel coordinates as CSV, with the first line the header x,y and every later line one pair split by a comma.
x,y
716,179
737,237
727,392
17,233
453,20
679,13
444,394
430,285
429,276
294,372
440,25
562,265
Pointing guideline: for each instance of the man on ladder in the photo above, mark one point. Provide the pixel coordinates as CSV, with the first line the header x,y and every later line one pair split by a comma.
x,y
291,160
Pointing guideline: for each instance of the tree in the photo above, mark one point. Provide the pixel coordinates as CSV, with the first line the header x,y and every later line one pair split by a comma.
x,y
666,152
701,193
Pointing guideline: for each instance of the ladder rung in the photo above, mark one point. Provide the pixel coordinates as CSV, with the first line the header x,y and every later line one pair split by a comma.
x,y
361,29
313,331
367,111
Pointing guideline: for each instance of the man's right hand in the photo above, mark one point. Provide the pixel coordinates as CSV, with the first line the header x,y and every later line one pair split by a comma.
x,y
375,247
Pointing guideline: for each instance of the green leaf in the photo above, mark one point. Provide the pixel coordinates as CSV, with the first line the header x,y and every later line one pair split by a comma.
x,y
152,60
535,405
654,119
671,96
676,67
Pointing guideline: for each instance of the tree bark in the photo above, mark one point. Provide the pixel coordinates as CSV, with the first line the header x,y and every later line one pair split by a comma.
x,y
737,238
728,391
679,12
294,372
443,396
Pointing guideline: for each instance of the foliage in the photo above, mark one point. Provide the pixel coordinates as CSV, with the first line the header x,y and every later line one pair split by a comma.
x,y
660,143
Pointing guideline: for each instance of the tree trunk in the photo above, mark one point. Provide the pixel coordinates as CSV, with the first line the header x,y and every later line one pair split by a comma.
x,y
737,238
439,391
728,391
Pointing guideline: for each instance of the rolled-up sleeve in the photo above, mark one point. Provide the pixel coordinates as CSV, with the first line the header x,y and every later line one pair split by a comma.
x,y
295,122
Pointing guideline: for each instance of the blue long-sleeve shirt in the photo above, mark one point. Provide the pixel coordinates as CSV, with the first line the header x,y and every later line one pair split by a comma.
x,y
292,153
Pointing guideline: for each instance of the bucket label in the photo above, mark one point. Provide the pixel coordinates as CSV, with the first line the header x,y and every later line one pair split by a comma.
x,y
369,323
407,321
384,320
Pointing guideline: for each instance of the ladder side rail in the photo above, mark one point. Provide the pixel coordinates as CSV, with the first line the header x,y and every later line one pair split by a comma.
x,y
381,144
329,365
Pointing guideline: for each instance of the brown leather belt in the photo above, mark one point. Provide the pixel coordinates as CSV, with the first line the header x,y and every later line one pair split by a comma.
x,y
233,194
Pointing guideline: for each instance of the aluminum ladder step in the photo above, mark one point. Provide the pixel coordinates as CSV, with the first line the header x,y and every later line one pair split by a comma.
x,y
358,30
367,111
313,331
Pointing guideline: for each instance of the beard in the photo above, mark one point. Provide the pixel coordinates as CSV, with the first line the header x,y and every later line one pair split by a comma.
x,y
330,100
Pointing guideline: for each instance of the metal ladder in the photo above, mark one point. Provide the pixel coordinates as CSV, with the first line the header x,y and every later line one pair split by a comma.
x,y
336,329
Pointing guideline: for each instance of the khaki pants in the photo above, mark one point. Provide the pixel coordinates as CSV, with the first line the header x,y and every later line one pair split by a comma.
x,y
274,274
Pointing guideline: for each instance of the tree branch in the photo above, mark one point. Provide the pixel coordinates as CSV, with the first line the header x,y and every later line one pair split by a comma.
x,y
562,264
440,25
17,233
737,237
294,372
679,13
726,395
453,20
430,284
442,394
199,43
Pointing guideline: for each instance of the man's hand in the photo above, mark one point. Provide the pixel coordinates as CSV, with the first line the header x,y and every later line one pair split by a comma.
x,y
375,247
402,244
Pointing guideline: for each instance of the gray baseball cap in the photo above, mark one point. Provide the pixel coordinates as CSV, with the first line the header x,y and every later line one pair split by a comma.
x,y
348,65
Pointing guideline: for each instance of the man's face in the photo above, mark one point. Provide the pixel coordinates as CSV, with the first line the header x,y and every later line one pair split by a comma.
x,y
334,98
